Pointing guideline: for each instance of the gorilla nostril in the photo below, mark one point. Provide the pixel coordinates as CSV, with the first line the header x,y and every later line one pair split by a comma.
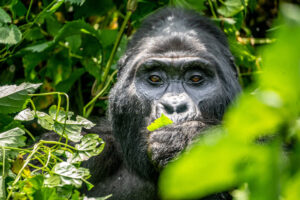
x,y
168,108
181,108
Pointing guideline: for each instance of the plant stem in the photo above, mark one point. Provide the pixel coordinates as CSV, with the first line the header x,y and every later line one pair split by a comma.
x,y
35,148
3,174
29,9
31,136
113,52
212,8
108,64
58,143
92,102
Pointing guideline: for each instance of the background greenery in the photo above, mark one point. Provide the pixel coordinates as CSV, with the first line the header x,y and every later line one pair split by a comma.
x,y
72,46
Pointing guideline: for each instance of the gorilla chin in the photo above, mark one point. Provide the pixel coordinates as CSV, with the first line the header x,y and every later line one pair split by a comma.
x,y
167,142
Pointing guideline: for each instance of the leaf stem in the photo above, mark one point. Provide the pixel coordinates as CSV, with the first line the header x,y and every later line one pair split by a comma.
x,y
29,9
58,143
35,148
91,103
108,64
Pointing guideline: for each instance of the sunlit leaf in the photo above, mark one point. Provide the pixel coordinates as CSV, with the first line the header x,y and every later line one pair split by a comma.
x,y
4,17
12,97
230,8
159,123
39,47
68,128
13,138
90,145
10,34
25,115
67,174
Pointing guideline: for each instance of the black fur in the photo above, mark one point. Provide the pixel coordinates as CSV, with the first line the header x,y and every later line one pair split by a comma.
x,y
133,157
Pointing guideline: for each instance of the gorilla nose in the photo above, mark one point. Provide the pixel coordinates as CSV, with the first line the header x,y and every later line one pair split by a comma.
x,y
171,108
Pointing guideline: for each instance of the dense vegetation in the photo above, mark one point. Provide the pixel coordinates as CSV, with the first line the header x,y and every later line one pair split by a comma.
x,y
72,47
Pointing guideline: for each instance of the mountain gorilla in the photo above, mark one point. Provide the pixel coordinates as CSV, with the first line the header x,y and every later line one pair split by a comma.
x,y
177,64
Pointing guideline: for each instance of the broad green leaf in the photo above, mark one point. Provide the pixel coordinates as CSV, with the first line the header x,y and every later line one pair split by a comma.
x,y
12,97
159,123
69,128
74,42
34,34
75,28
47,193
12,138
67,84
61,114
189,4
108,37
45,120
4,17
230,8
91,67
39,47
90,145
67,174
291,190
25,115
59,66
221,163
10,34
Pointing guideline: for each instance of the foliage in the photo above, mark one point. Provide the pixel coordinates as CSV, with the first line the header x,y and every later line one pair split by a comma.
x,y
72,46
257,149
160,122
48,169
64,44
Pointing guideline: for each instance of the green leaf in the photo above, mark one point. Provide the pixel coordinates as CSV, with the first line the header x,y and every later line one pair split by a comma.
x,y
4,17
34,34
45,120
230,8
12,138
67,174
39,47
90,145
12,97
91,67
69,128
67,84
78,2
159,122
25,115
189,4
74,28
10,34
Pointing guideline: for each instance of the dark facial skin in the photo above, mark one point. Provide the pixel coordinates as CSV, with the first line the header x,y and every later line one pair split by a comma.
x,y
176,68
175,87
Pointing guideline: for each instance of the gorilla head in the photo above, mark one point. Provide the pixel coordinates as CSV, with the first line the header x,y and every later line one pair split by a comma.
x,y
178,63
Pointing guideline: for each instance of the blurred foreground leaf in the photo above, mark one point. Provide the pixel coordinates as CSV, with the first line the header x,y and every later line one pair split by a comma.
x,y
248,149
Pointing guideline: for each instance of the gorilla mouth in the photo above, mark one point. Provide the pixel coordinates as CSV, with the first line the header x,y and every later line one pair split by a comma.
x,y
166,143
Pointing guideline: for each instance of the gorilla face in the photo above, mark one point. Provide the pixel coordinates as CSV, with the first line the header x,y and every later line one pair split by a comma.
x,y
177,64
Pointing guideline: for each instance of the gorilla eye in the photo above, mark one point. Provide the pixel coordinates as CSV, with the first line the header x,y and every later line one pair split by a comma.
x,y
196,79
155,79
